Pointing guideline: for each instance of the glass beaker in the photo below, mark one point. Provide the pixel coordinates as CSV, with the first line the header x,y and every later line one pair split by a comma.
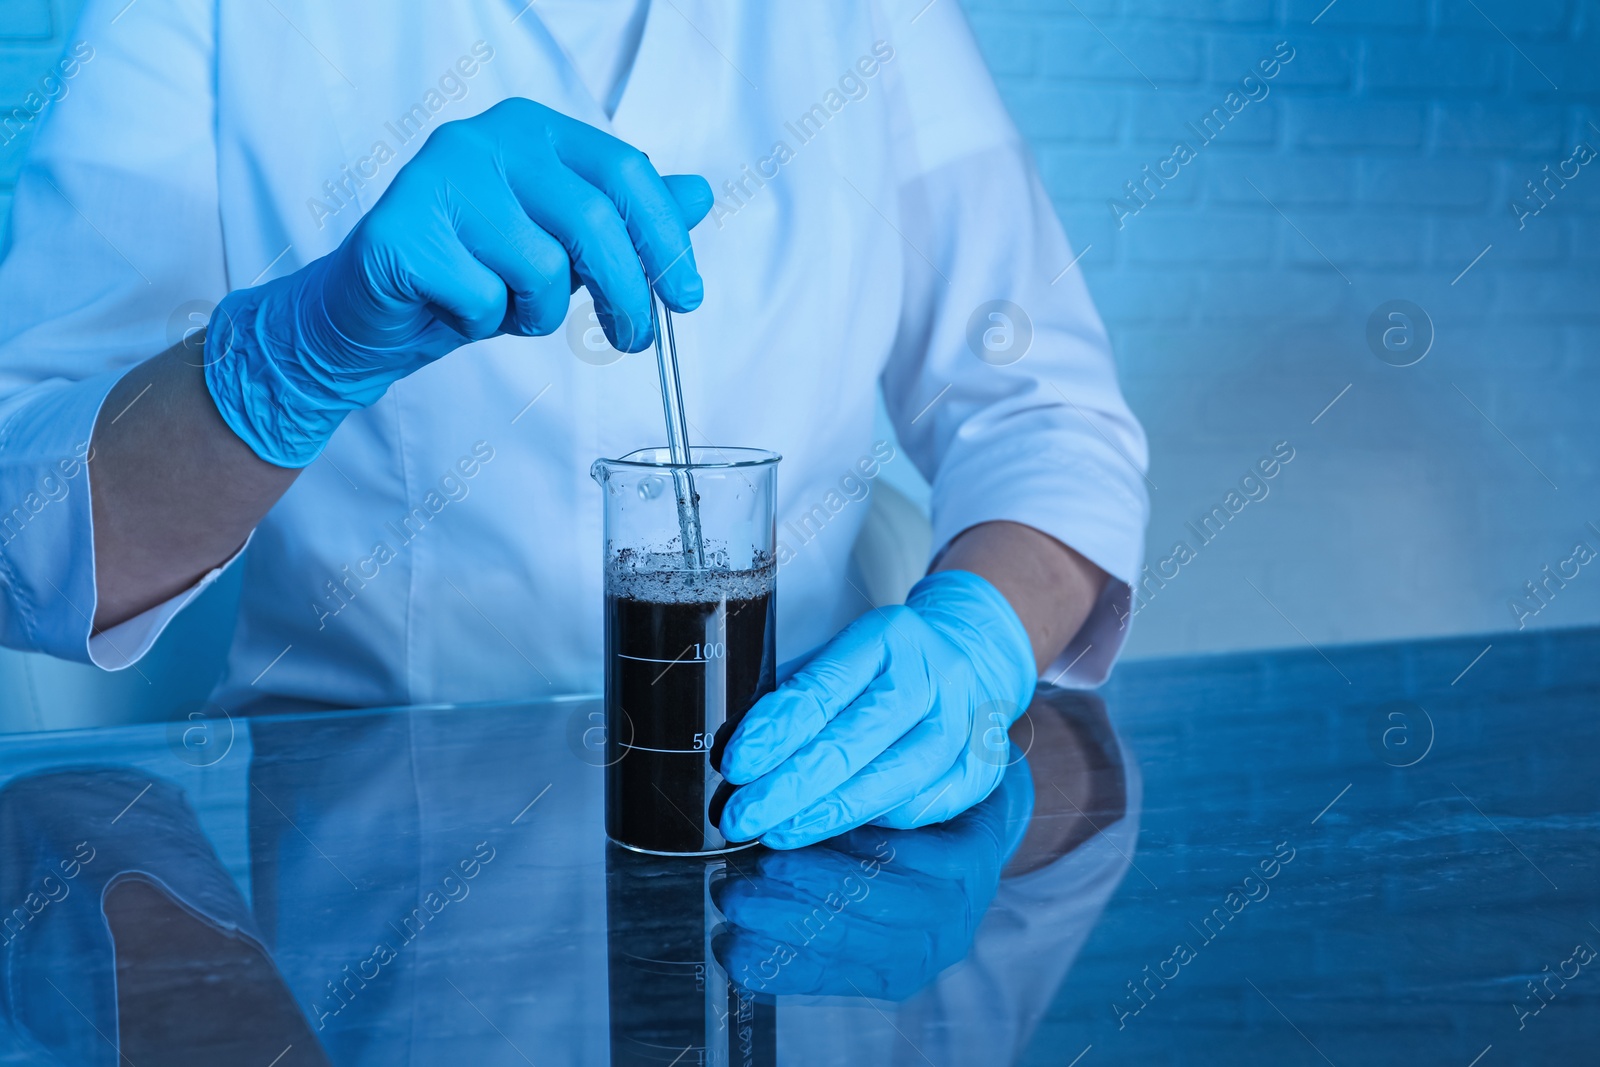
x,y
689,647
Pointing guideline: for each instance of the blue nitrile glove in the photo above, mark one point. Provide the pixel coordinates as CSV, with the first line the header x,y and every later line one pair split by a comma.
x,y
899,720
487,231
874,913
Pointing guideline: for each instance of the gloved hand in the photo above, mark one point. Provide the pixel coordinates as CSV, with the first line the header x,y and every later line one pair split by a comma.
x,y
899,720
875,913
487,230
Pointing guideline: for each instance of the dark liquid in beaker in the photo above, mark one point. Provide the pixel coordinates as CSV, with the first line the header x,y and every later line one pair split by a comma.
x,y
687,654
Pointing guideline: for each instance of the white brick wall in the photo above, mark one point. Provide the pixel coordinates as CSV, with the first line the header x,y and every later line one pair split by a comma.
x,y
1391,146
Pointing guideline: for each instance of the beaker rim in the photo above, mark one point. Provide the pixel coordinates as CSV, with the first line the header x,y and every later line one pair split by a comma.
x,y
733,457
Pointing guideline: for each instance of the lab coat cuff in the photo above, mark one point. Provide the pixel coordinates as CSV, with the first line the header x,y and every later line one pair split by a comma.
x,y
119,647
46,521
1086,661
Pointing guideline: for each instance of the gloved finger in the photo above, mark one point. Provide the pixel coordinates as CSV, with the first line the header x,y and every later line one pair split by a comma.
x,y
969,843
767,903
803,881
816,871
894,778
655,223
789,667
693,194
761,963
894,703
597,242
463,293
532,263
796,711
964,784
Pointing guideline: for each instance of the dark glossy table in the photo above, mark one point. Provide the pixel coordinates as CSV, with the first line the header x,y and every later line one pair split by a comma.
x,y
1383,854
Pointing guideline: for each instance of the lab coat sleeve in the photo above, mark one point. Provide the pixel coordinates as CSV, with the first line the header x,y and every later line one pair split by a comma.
x,y
1001,384
115,248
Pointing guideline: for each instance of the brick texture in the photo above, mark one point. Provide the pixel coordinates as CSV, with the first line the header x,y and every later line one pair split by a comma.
x,y
1383,159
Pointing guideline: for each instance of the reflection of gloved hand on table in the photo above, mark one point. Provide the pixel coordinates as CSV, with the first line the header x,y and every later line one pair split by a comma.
x,y
874,912
888,723
486,231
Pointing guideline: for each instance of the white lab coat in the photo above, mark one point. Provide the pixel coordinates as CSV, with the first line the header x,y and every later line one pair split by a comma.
x,y
209,146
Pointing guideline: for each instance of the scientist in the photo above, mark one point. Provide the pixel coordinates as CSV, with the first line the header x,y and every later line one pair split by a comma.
x,y
396,218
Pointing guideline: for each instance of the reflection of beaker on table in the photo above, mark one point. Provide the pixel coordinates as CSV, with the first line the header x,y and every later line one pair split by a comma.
x,y
671,1001
689,648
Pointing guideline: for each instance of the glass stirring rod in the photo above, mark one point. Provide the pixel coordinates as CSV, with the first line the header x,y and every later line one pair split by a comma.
x,y
694,553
